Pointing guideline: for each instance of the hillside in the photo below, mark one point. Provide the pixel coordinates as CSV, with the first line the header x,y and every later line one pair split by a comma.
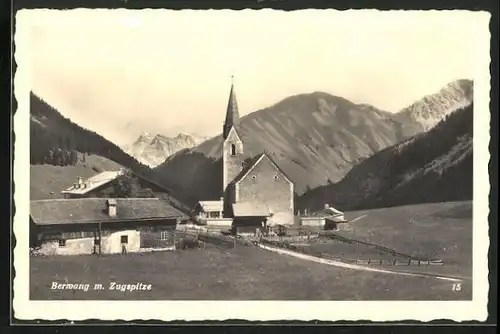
x,y
58,147
435,166
315,138
154,150
47,181
49,131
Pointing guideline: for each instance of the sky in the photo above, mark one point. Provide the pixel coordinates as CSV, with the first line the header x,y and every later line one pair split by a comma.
x,y
124,72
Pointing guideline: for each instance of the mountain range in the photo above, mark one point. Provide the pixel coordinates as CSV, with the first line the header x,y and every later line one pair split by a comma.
x,y
433,166
152,150
316,139
321,141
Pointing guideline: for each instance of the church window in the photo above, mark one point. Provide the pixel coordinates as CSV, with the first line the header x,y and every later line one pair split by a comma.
x,y
275,177
254,177
233,149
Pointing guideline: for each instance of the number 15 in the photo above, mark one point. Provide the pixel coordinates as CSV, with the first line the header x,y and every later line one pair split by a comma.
x,y
456,287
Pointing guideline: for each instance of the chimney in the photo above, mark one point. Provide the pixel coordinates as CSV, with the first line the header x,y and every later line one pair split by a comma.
x,y
327,206
111,203
80,180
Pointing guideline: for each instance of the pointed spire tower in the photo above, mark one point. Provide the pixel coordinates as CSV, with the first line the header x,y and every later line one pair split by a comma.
x,y
232,114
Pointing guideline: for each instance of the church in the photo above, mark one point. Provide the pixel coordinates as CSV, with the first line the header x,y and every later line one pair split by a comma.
x,y
254,189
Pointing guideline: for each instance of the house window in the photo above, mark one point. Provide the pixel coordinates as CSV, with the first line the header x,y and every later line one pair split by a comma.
x,y
62,243
124,239
233,149
164,235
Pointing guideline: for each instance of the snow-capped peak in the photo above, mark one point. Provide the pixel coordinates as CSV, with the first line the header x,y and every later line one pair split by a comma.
x,y
153,150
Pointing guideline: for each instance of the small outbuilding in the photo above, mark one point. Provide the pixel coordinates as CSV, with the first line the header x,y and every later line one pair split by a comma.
x,y
210,213
328,218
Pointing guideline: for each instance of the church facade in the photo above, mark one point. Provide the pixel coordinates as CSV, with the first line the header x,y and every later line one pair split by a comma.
x,y
254,189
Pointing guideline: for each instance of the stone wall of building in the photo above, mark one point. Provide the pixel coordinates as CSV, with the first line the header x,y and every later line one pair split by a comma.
x,y
232,167
266,184
72,247
111,244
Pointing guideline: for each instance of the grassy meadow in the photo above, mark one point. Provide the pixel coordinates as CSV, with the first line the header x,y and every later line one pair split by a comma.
x,y
243,273
438,230
250,273
47,181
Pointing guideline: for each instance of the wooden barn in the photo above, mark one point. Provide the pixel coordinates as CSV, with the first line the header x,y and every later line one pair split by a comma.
x,y
102,226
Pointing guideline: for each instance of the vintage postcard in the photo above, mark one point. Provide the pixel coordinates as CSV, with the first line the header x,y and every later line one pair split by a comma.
x,y
260,165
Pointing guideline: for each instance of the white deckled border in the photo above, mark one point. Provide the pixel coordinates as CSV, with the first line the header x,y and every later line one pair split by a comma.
x,y
252,310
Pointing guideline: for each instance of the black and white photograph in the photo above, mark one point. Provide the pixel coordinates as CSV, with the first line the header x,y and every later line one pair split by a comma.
x,y
255,164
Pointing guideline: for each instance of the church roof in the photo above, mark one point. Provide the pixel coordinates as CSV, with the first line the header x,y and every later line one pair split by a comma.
x,y
249,164
252,162
232,113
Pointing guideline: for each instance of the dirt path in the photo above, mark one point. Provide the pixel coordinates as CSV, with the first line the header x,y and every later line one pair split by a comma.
x,y
354,266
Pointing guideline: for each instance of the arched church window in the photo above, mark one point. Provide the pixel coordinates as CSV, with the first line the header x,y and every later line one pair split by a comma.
x,y
233,149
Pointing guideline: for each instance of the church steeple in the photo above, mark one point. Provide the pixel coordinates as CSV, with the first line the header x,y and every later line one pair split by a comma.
x,y
232,114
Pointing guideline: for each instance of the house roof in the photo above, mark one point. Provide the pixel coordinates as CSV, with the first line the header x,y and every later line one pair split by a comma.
x,y
328,213
93,210
251,209
93,182
332,211
210,206
252,162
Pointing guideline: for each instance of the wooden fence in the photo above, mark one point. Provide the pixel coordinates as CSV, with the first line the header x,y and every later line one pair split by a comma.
x,y
409,261
378,247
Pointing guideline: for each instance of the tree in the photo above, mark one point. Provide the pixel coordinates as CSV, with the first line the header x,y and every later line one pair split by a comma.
x,y
74,157
122,188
